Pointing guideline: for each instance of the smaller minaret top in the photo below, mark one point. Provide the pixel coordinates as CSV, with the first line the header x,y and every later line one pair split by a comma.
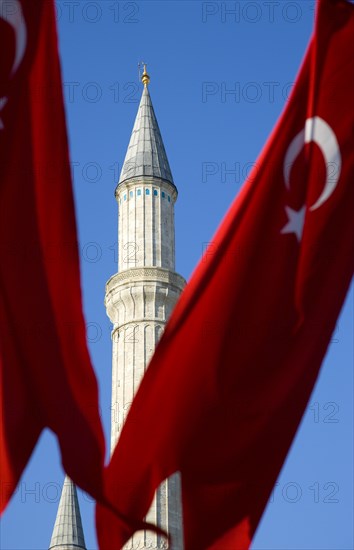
x,y
145,78
68,533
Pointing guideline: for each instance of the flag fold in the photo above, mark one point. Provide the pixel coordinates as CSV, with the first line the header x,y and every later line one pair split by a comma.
x,y
46,375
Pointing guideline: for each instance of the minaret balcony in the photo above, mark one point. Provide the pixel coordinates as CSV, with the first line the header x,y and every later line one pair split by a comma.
x,y
142,293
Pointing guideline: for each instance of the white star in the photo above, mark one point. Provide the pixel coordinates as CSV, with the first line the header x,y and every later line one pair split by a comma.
x,y
296,222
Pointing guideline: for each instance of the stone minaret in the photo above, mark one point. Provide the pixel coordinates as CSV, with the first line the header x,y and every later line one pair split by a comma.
x,y
140,297
67,532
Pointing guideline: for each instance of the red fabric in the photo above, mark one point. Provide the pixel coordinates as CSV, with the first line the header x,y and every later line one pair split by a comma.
x,y
228,384
46,374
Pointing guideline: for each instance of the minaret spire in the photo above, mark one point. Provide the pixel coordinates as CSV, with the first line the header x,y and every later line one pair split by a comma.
x,y
146,155
68,533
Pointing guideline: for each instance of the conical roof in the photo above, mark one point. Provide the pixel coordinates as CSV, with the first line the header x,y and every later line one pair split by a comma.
x,y
146,155
68,533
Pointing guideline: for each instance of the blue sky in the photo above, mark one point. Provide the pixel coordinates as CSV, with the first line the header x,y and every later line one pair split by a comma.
x,y
221,73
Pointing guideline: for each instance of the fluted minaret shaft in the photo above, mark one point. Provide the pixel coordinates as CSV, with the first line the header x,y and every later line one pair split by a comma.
x,y
141,296
146,236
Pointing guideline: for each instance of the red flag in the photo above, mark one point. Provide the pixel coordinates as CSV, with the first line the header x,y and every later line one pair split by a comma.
x,y
46,373
228,384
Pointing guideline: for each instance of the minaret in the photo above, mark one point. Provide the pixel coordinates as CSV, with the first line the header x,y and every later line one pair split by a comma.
x,y
140,297
67,532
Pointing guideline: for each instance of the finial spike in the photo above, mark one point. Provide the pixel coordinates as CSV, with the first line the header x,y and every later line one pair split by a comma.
x,y
145,77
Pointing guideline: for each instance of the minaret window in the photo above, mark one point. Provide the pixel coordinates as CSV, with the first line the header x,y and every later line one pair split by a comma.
x,y
155,192
169,198
138,192
147,191
163,194
131,193
125,197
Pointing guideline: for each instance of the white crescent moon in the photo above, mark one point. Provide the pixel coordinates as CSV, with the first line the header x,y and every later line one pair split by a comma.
x,y
318,131
14,17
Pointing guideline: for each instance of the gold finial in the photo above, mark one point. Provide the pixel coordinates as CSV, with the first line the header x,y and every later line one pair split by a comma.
x,y
145,77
